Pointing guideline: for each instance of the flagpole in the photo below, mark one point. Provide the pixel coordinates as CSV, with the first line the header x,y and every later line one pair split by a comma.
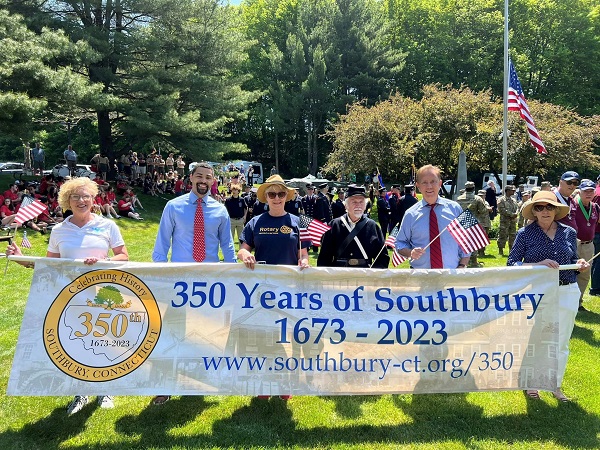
x,y
505,102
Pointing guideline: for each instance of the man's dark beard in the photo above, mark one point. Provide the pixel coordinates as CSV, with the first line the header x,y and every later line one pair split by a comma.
x,y
202,188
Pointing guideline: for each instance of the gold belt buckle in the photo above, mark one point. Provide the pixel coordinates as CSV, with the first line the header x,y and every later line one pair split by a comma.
x,y
353,262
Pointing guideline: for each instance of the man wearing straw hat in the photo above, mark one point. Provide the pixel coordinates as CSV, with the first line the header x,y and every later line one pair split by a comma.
x,y
422,237
354,240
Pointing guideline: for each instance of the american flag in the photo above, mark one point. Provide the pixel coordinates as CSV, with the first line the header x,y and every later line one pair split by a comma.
x,y
397,258
467,231
516,102
312,229
25,243
30,209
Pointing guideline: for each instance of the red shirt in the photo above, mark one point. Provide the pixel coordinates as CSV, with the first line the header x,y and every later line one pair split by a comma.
x,y
45,216
585,232
124,205
569,219
10,194
6,211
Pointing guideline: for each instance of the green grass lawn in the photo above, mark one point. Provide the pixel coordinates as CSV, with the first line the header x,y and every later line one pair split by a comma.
x,y
494,420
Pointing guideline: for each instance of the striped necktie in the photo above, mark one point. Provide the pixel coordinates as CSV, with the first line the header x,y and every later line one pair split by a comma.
x,y
435,248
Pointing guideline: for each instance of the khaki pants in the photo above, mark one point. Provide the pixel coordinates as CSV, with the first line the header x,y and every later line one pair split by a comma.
x,y
237,225
585,251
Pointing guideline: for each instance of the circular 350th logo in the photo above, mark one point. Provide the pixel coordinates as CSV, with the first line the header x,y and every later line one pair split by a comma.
x,y
102,326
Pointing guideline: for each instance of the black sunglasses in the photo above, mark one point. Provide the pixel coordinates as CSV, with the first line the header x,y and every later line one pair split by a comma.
x,y
272,195
572,182
540,208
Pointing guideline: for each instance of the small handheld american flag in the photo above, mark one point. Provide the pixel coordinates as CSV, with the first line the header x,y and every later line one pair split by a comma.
x,y
468,232
25,243
312,229
397,258
30,209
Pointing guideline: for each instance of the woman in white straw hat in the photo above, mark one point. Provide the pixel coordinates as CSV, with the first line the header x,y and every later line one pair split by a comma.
x,y
547,242
274,235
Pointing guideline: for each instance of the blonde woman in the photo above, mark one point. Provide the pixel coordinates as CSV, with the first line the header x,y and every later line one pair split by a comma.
x,y
83,235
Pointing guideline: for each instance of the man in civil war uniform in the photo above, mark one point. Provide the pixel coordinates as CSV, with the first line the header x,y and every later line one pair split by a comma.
x,y
354,240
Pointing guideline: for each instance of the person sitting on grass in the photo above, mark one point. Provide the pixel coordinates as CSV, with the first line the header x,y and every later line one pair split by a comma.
x,y
7,212
106,206
135,201
126,208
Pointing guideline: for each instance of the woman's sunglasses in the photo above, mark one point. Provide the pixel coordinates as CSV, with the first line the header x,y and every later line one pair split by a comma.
x,y
272,195
540,208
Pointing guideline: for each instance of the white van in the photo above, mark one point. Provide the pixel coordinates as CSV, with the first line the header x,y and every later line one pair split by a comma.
x,y
531,182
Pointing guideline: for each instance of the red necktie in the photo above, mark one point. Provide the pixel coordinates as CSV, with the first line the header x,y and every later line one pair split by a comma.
x,y
199,250
435,249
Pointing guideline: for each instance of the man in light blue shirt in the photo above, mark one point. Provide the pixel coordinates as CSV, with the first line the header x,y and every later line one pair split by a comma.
x,y
176,229
414,230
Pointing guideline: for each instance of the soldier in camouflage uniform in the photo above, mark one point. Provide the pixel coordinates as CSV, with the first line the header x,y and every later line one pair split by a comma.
x,y
508,211
468,200
521,221
484,219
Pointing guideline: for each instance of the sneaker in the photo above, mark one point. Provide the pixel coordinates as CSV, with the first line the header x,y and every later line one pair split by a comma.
x,y
106,401
77,404
117,216
108,216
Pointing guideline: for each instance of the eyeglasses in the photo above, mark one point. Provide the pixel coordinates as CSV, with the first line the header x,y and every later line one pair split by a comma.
x,y
572,182
77,197
540,208
272,195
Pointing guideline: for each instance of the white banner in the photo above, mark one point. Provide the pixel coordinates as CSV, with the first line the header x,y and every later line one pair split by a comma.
x,y
191,329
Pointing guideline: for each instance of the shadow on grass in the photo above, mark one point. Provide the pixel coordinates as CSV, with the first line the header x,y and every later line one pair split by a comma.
x,y
586,335
49,432
436,418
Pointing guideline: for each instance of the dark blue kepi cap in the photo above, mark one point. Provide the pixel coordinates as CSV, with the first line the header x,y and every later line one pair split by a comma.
x,y
353,189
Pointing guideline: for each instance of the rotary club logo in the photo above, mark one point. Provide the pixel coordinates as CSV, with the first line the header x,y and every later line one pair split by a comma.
x,y
102,326
285,229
